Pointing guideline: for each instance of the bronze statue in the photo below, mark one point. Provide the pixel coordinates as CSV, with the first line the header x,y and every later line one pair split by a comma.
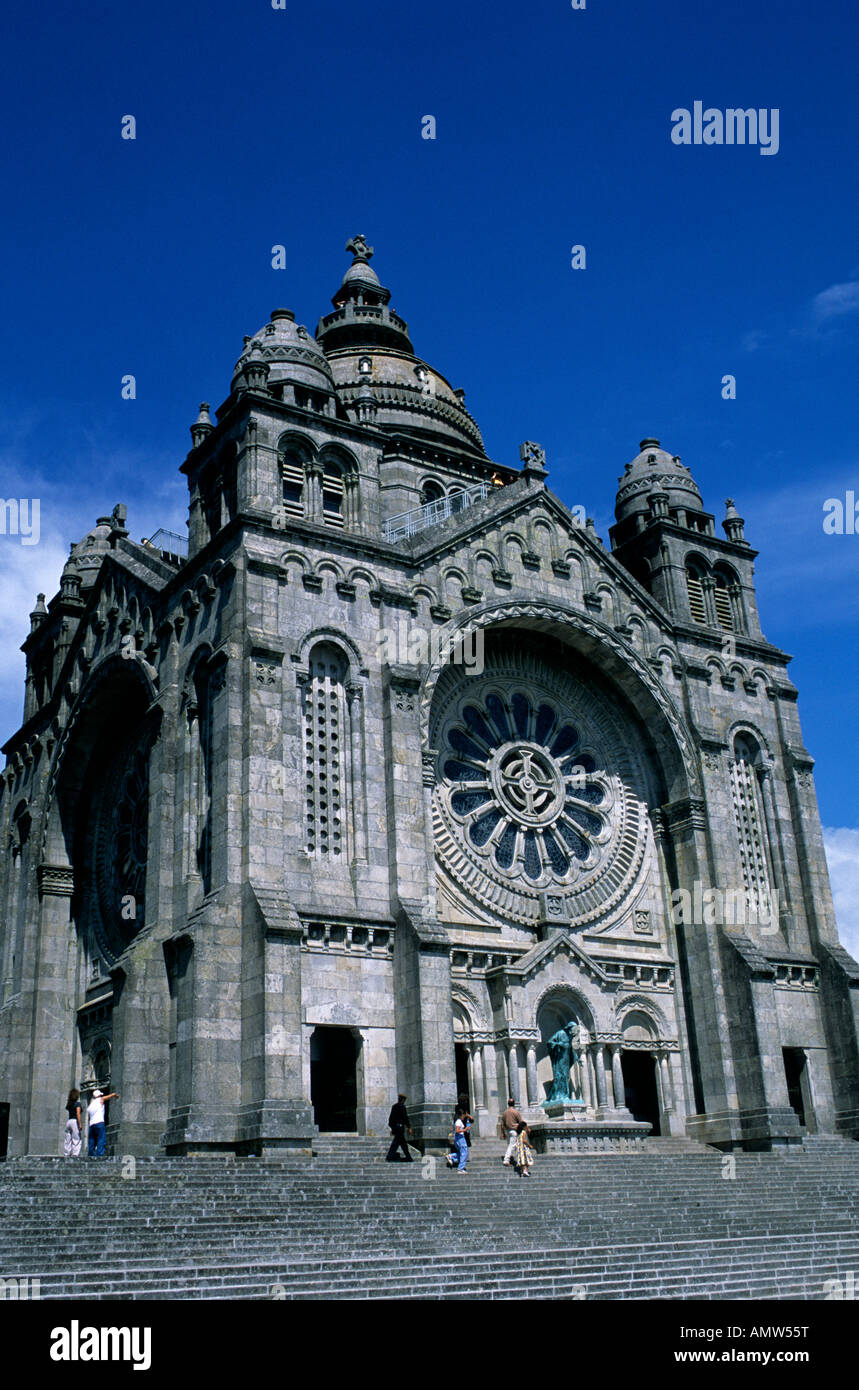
x,y
563,1054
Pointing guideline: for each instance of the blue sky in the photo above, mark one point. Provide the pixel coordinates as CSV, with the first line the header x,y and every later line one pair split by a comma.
x,y
303,127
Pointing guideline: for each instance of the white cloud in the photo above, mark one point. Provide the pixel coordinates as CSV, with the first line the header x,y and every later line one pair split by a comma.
x,y
842,856
754,339
24,572
836,301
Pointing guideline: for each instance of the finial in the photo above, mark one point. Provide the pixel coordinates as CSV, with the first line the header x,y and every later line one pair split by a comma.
x,y
533,457
359,248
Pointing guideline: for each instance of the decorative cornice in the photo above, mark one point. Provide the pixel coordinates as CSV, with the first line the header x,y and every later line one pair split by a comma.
x,y
55,880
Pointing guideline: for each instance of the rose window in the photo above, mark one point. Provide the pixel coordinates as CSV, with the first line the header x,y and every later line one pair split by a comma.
x,y
533,793
527,792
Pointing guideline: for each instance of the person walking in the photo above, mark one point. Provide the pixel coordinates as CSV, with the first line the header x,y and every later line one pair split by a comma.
x,y
462,1109
72,1135
95,1115
459,1141
398,1123
523,1153
510,1121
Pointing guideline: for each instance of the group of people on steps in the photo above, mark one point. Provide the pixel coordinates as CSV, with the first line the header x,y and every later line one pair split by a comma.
x,y
519,1154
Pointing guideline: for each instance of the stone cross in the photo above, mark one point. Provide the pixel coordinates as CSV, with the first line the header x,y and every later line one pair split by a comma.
x,y
359,248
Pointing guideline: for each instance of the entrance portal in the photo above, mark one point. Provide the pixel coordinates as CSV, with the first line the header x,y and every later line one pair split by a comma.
x,y
639,1081
4,1128
797,1080
333,1079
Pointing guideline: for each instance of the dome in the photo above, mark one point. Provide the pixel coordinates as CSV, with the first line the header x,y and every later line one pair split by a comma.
x,y
86,555
655,470
359,271
290,352
370,355
408,393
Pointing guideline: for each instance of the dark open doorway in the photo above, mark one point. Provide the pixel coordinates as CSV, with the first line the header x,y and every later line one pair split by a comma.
x,y
639,1081
462,1087
794,1070
334,1080
4,1128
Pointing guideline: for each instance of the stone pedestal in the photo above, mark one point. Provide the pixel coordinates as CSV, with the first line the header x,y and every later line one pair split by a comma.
x,y
567,1128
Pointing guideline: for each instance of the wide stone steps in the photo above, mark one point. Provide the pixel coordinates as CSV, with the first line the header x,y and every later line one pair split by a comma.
x,y
758,1266
349,1226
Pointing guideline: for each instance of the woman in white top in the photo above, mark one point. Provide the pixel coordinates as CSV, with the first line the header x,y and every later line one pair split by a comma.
x,y
459,1128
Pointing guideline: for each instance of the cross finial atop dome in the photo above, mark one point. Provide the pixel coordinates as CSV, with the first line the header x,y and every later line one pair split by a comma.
x,y
359,248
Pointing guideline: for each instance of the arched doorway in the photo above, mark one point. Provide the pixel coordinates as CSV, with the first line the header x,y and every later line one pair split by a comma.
x,y
639,1083
334,1079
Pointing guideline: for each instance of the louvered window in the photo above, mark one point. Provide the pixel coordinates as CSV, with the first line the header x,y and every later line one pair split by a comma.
x,y
292,475
696,596
724,611
332,495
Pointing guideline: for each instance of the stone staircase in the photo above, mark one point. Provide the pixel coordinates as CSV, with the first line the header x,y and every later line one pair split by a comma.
x,y
660,1224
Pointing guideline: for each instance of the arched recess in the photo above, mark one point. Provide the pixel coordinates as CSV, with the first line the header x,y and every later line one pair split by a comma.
x,y
97,818
558,1007
98,892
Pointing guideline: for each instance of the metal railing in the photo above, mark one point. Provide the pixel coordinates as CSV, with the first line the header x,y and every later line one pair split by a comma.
x,y
398,528
169,543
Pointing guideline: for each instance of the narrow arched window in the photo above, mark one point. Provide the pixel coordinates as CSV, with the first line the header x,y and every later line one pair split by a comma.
x,y
695,590
326,754
750,820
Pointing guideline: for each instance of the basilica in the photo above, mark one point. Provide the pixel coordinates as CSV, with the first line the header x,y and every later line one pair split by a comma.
x,y
263,866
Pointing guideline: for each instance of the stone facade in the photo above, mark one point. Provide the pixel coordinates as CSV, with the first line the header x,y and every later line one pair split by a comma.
x,y
397,772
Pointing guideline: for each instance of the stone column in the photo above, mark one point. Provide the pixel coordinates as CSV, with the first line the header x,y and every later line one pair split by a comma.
x,y
52,1042
531,1072
478,1091
667,1089
587,1094
511,1048
357,790
660,1081
313,490
617,1078
422,981
599,1067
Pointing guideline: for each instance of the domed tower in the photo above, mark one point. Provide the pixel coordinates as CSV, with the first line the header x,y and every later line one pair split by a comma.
x,y
668,542
432,444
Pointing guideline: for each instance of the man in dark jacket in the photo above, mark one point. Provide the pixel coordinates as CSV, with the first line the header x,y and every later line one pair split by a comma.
x,y
398,1123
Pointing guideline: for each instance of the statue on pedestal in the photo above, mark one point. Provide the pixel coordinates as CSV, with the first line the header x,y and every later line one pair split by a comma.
x,y
562,1051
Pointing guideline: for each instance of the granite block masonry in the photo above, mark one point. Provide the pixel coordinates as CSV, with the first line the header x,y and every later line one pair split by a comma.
x,y
262,869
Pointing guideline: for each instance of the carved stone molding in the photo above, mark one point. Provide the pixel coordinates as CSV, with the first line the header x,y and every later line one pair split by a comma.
x,y
55,880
